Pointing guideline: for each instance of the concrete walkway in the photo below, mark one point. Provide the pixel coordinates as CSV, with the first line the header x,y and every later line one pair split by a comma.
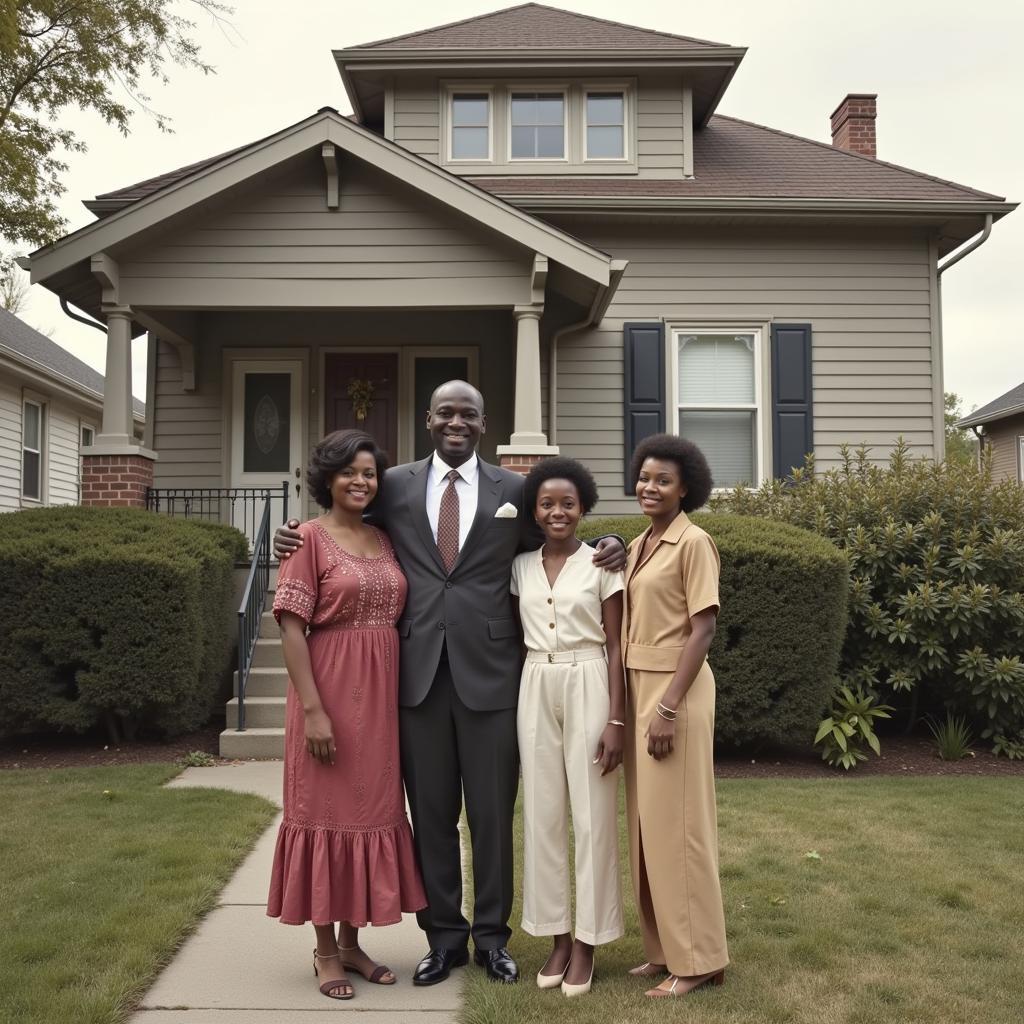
x,y
242,967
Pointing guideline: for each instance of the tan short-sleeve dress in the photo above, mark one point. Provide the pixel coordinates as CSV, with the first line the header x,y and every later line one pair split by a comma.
x,y
670,804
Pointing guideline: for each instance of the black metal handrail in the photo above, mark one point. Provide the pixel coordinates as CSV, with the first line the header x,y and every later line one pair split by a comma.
x,y
237,506
250,611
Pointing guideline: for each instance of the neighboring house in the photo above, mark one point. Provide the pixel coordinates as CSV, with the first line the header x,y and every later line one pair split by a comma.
x,y
549,205
51,410
1000,429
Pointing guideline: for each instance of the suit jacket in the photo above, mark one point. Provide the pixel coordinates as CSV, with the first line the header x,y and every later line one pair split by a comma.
x,y
469,609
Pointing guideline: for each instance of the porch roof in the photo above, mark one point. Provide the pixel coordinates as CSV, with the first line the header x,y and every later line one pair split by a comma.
x,y
75,266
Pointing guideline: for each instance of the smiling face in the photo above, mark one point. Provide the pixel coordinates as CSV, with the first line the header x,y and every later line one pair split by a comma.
x,y
354,486
660,488
558,509
456,421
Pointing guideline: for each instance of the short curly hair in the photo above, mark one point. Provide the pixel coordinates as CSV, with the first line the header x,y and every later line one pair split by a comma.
x,y
560,468
336,451
689,459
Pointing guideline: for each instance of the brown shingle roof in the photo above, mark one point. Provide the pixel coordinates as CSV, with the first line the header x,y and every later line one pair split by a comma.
x,y
732,159
535,26
738,159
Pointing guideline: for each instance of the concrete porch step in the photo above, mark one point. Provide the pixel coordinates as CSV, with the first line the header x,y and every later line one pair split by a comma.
x,y
259,743
260,712
268,653
269,629
264,682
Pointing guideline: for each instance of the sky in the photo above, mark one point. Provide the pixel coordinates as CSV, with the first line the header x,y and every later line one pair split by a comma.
x,y
949,79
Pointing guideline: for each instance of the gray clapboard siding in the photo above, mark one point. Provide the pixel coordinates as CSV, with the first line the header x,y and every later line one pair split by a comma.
x,y
418,117
283,246
10,447
62,457
866,295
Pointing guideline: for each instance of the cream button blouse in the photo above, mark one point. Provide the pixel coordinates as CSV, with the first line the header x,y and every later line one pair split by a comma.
x,y
566,617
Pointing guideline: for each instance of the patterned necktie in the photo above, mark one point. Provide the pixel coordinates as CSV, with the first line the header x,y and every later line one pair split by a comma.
x,y
448,523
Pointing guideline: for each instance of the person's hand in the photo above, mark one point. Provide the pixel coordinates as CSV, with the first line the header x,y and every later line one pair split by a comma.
x,y
661,737
319,736
610,554
609,748
287,539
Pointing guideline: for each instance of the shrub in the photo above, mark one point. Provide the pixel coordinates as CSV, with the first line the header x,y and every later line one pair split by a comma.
x,y
936,580
849,727
112,616
776,650
952,737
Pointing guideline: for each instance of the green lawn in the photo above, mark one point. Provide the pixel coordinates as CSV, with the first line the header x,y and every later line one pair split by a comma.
x,y
914,913
102,874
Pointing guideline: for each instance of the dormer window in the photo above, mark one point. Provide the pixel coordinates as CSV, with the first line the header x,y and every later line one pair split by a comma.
x,y
471,126
517,127
606,126
537,126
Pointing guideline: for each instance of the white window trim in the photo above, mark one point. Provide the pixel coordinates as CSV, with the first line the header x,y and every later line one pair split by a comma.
x,y
567,117
448,122
33,399
574,162
628,95
1020,458
762,387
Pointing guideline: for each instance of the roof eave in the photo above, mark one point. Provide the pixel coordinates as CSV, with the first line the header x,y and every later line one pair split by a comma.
x,y
980,418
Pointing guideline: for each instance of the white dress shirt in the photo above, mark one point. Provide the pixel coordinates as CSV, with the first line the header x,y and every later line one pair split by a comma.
x,y
465,489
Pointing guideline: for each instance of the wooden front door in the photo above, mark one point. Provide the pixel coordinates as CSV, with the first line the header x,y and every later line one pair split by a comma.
x,y
346,375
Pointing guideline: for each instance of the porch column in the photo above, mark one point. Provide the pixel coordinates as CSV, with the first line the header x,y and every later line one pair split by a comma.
x,y
528,444
116,469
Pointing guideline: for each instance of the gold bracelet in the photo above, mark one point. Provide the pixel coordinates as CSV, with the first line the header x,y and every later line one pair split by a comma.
x,y
615,721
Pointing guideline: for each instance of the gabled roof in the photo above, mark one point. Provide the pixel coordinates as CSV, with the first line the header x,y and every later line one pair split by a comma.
x,y
35,348
734,158
1010,404
536,26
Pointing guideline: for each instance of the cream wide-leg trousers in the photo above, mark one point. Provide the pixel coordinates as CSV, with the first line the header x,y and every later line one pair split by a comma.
x,y
563,709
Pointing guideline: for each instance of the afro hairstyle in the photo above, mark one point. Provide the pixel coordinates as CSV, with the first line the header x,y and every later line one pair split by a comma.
x,y
560,468
689,460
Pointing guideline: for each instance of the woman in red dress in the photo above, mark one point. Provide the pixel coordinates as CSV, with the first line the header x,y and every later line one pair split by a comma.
x,y
344,852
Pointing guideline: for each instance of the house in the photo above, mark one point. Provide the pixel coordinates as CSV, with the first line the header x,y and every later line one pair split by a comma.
x,y
1000,429
51,409
549,205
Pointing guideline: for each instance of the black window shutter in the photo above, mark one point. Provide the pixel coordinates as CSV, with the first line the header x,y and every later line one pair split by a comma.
x,y
645,386
792,397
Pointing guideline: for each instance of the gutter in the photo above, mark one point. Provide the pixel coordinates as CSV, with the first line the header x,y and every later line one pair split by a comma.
x,y
594,316
956,257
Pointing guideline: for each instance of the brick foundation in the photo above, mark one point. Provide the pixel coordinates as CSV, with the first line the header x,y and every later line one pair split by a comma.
x,y
116,481
521,463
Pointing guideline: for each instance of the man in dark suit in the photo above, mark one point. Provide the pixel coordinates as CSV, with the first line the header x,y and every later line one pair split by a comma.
x,y
456,523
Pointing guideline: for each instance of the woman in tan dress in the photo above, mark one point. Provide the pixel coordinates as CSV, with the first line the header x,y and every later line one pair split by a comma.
x,y
671,608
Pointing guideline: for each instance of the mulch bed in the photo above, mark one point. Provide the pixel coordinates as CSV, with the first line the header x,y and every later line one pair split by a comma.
x,y
901,755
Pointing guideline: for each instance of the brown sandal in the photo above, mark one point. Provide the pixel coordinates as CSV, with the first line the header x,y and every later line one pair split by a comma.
x,y
375,976
716,978
326,986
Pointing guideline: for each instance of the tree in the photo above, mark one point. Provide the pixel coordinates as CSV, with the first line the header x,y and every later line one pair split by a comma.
x,y
90,54
960,444
13,286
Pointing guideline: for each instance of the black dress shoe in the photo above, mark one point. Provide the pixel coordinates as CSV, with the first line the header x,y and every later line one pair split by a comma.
x,y
499,963
438,964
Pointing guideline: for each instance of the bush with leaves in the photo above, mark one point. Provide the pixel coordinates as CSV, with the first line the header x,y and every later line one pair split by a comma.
x,y
936,580
116,617
776,649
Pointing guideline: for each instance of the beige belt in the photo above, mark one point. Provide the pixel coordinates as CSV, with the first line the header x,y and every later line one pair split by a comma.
x,y
566,657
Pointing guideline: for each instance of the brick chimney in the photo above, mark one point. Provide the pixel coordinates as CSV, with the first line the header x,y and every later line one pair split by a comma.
x,y
853,123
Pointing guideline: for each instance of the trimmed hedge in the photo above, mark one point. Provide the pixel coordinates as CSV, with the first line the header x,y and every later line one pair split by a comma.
x,y
117,617
780,630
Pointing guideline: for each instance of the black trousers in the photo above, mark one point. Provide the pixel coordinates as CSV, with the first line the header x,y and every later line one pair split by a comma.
x,y
449,751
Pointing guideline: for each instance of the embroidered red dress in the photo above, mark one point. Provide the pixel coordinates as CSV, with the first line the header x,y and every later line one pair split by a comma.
x,y
345,850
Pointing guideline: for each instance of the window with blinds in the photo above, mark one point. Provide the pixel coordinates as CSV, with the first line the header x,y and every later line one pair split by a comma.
x,y
32,433
717,401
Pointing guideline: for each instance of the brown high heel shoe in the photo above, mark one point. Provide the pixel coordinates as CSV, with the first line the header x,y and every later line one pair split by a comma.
x,y
716,979
326,986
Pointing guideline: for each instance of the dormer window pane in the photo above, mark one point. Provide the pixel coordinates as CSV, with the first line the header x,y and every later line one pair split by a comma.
x,y
606,126
538,126
470,126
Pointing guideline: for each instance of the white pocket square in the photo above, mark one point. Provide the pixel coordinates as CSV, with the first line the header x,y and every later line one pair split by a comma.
x,y
507,511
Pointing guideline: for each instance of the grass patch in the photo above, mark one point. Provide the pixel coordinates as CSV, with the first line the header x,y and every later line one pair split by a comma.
x,y
912,913
104,874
